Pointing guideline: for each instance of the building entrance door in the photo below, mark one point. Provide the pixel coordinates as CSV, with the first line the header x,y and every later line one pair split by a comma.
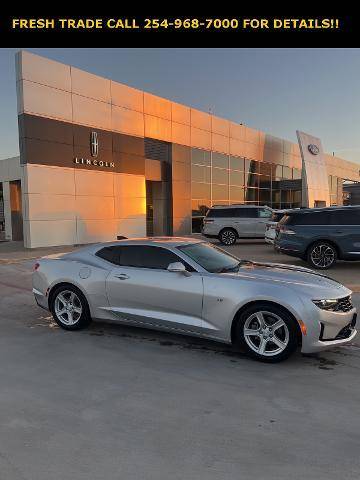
x,y
16,210
158,218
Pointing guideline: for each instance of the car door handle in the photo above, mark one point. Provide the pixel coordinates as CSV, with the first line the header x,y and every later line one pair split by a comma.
x,y
122,276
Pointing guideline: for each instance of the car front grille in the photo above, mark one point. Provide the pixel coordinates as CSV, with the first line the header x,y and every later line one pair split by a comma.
x,y
344,305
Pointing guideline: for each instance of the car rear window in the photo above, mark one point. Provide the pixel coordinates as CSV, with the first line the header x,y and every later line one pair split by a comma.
x,y
232,212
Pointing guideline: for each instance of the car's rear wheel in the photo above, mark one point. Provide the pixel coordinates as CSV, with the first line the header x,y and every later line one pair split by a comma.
x,y
267,333
322,255
69,308
227,236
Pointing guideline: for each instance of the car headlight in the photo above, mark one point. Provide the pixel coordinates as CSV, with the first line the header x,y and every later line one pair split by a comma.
x,y
327,304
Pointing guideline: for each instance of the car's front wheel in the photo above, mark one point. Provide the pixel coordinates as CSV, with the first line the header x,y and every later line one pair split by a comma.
x,y
227,236
322,255
267,332
69,308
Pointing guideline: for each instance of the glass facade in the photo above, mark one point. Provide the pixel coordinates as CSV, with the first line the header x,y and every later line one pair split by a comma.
x,y
219,179
336,190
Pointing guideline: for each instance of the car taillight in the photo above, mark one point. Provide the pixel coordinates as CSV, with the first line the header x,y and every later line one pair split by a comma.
x,y
36,266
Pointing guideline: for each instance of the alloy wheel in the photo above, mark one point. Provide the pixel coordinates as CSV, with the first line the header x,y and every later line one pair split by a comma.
x,y
322,255
228,237
266,333
68,307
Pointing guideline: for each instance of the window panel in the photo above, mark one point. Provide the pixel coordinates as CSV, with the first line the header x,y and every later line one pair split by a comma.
x,y
200,190
277,172
251,180
287,173
236,178
220,176
237,194
220,192
237,163
200,173
264,181
275,194
265,197
265,168
200,157
297,198
220,160
286,196
252,166
251,195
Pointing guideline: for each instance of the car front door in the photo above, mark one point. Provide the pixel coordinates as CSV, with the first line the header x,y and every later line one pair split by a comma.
x,y
141,290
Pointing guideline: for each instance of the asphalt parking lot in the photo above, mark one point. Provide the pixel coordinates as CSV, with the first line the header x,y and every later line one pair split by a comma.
x,y
114,402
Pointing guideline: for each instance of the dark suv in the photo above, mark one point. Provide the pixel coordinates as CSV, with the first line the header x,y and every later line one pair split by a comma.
x,y
321,235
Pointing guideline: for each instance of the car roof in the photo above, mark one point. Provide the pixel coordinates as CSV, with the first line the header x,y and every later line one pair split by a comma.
x,y
155,241
240,205
323,209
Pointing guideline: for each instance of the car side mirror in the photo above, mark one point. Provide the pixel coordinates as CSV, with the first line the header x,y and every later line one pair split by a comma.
x,y
178,267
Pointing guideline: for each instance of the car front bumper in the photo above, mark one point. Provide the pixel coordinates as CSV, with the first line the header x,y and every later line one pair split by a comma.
x,y
329,329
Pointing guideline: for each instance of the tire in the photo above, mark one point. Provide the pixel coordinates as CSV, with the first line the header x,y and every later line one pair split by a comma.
x,y
228,236
260,345
70,308
321,255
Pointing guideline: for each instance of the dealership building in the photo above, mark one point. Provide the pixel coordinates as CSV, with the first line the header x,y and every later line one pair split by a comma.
x,y
99,159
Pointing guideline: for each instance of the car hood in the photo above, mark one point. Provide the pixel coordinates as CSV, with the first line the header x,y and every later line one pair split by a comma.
x,y
289,274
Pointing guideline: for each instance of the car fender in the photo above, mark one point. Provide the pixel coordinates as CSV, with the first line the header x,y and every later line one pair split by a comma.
x,y
90,280
224,299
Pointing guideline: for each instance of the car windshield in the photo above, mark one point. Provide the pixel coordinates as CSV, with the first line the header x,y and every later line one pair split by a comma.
x,y
212,258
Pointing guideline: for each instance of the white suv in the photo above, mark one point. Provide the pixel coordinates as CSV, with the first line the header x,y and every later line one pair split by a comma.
x,y
228,223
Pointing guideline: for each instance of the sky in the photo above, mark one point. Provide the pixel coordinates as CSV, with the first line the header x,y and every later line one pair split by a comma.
x,y
274,90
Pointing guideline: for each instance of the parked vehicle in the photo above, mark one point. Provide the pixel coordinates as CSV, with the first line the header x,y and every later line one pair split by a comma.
x,y
191,287
320,236
228,223
270,228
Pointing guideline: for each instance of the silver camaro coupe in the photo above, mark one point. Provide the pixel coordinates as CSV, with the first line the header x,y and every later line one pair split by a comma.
x,y
191,287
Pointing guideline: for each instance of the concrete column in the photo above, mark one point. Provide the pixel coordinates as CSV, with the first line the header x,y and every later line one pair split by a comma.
x,y
7,210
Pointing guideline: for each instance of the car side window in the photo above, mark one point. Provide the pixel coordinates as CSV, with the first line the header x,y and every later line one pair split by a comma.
x,y
345,217
110,254
141,256
264,213
244,213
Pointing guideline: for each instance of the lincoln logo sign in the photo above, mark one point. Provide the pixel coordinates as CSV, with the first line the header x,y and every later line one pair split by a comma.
x,y
94,163
94,144
314,149
94,150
